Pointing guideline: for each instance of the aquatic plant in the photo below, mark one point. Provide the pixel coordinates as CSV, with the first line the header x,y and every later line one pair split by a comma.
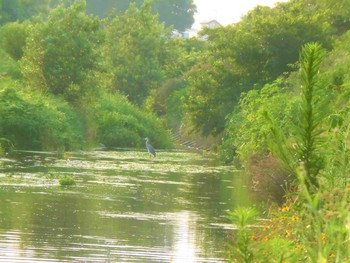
x,y
66,180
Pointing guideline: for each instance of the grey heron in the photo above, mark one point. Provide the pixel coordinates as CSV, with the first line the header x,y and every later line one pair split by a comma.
x,y
150,148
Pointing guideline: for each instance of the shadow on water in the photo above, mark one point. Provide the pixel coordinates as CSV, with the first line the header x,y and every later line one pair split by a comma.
x,y
125,207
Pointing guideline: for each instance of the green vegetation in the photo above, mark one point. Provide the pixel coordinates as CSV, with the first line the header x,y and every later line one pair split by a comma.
x,y
176,13
59,87
137,50
314,150
38,122
272,90
121,124
66,180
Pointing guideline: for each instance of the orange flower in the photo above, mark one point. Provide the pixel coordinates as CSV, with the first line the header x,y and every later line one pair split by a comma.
x,y
295,218
285,209
266,228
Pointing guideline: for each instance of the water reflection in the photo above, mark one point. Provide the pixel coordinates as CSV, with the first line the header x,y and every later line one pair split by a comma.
x,y
185,241
124,208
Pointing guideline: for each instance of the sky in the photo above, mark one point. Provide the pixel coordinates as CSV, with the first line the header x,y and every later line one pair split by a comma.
x,y
226,11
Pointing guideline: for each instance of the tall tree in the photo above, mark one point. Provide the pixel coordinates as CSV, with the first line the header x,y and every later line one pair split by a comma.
x,y
20,10
247,55
177,13
61,54
137,47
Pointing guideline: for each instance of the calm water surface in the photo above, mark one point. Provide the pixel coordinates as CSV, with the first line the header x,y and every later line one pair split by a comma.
x,y
125,207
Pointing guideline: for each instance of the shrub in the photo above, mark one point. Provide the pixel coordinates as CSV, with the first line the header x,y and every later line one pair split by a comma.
x,y
246,127
8,67
37,122
13,39
121,124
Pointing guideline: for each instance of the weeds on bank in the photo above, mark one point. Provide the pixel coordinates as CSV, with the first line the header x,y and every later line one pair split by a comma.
x,y
313,225
316,229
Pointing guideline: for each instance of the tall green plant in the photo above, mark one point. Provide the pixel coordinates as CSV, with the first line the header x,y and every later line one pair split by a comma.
x,y
312,113
242,217
322,238
308,132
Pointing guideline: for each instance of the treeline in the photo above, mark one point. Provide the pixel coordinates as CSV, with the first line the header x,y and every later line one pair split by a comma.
x,y
70,80
84,68
175,13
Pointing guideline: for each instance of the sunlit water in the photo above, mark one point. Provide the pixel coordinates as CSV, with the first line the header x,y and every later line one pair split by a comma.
x,y
125,207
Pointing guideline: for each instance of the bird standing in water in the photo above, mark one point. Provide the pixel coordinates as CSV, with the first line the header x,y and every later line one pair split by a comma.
x,y
150,148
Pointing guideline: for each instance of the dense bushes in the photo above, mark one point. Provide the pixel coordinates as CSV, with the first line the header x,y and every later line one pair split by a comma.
x,y
40,122
37,122
55,86
247,126
121,124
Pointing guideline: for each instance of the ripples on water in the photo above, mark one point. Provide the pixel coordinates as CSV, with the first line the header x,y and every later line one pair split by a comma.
x,y
125,207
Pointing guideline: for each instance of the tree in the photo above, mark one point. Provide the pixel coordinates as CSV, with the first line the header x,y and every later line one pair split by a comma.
x,y
13,39
20,10
137,47
61,54
246,56
177,13
215,83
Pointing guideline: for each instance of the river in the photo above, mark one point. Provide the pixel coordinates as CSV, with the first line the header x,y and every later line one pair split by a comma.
x,y
124,207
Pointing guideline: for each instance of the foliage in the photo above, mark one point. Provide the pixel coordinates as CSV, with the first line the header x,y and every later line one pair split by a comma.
x,y
176,13
247,55
313,110
274,48
313,224
333,12
61,54
9,68
20,10
214,78
175,110
121,124
192,83
168,99
38,123
66,180
242,218
13,39
137,49
246,128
